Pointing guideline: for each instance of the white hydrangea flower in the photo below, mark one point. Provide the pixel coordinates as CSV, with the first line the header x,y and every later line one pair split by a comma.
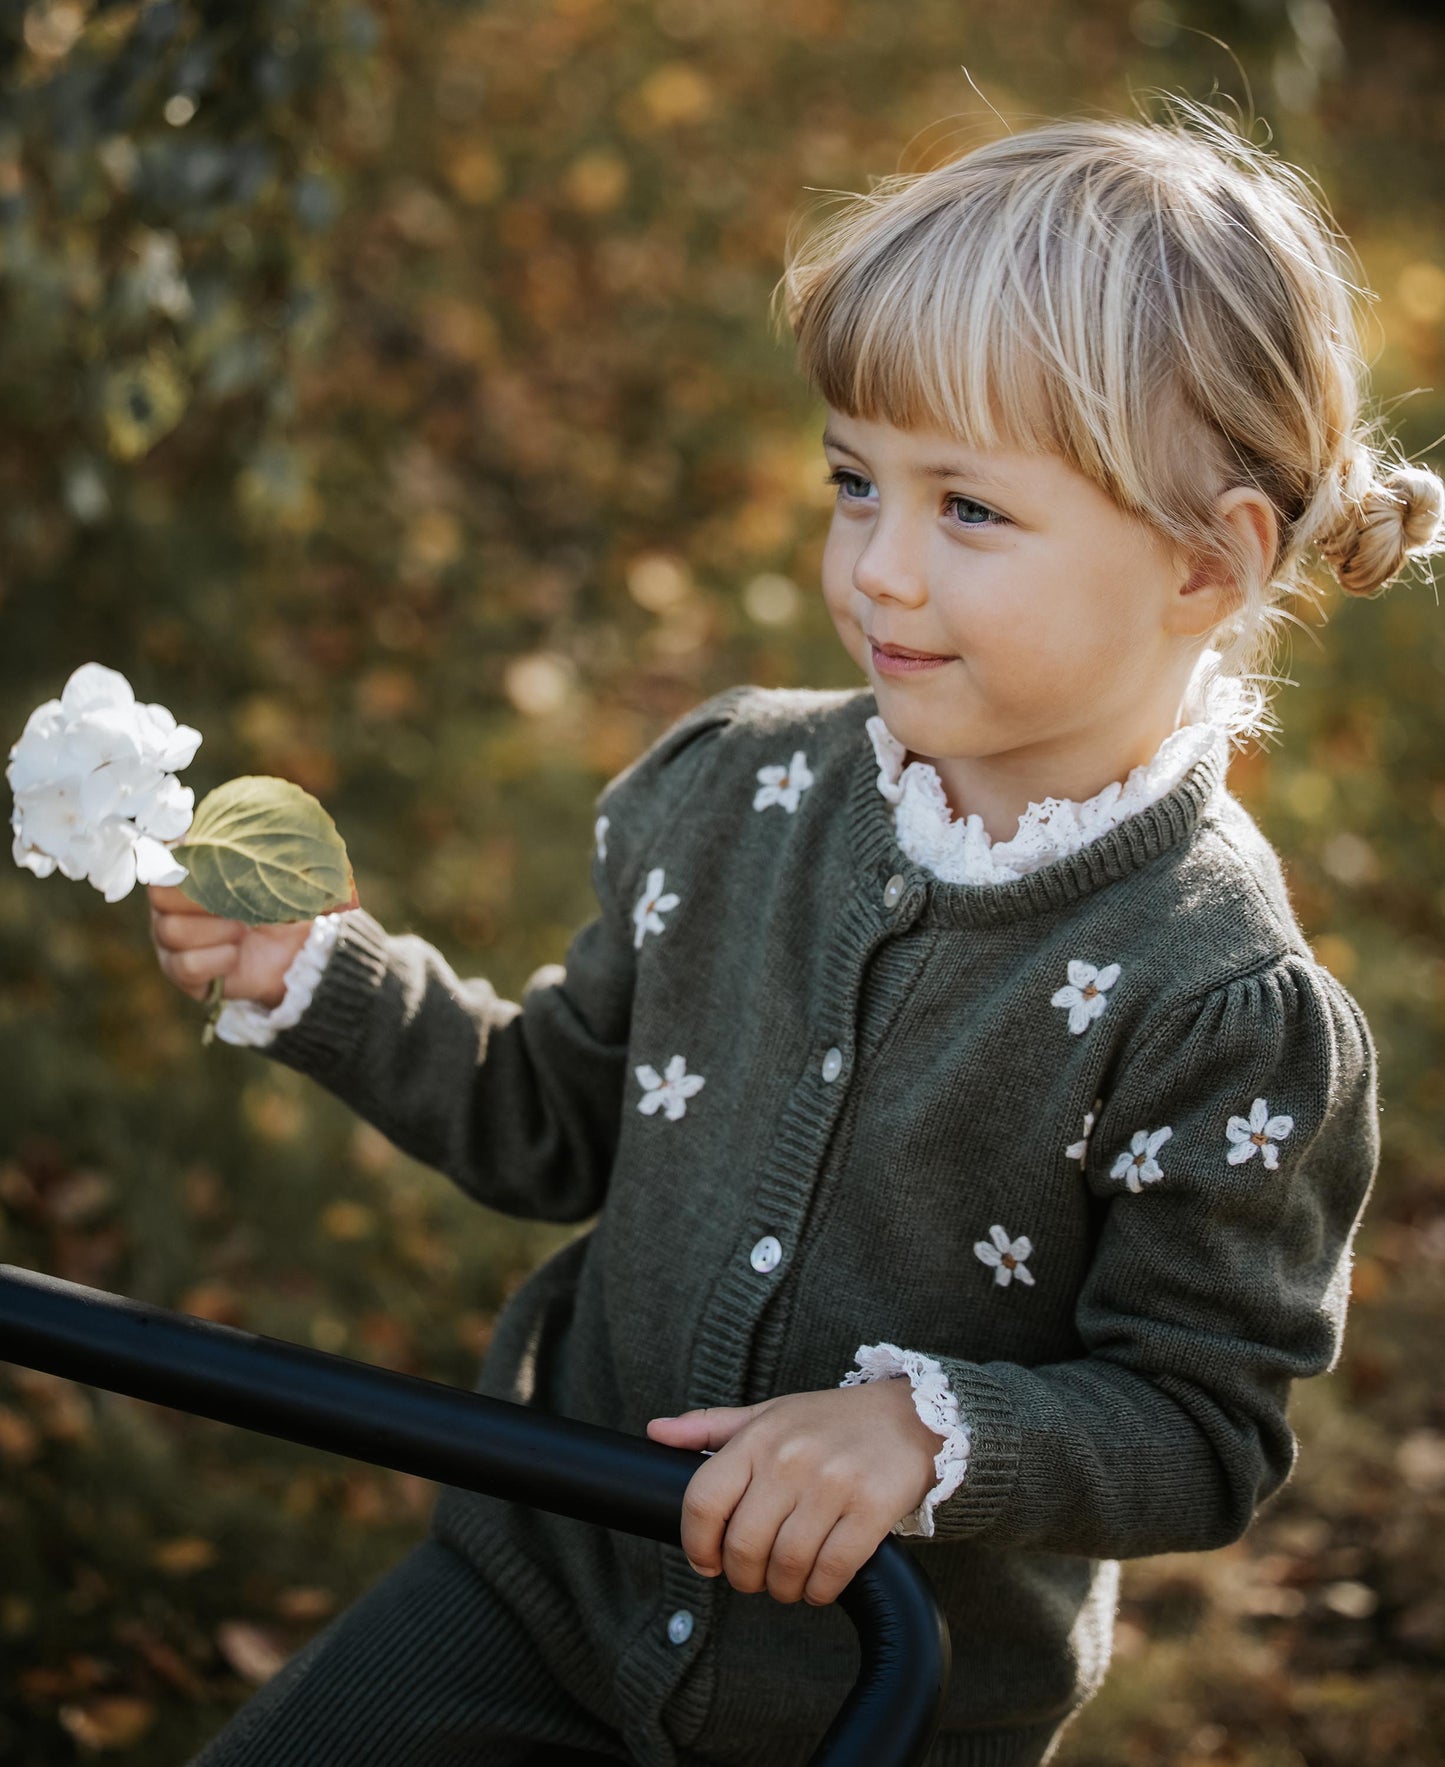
x,y
1086,995
668,1091
1005,1256
1260,1131
1137,1165
95,791
651,906
783,785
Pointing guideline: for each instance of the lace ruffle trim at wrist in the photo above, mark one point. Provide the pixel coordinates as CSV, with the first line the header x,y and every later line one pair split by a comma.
x,y
244,1023
937,1405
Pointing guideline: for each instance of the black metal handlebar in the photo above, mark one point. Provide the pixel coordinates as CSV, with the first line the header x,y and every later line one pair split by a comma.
x,y
480,1444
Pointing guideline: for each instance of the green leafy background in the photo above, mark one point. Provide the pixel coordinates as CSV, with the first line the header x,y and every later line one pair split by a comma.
x,y
389,391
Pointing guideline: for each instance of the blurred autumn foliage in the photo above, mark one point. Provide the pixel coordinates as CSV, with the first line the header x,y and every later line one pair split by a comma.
x,y
389,390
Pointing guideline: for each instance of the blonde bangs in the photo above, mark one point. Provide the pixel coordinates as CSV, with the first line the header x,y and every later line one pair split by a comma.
x,y
924,328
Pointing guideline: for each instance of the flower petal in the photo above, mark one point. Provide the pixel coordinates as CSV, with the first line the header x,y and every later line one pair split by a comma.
x,y
169,744
1237,1129
92,686
986,1253
1278,1127
1258,1115
167,811
1107,976
1081,974
1066,997
1022,1248
1240,1152
113,870
649,1077
155,864
999,1237
1022,1275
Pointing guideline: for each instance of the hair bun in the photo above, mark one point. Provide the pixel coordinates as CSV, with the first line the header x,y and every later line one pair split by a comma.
x,y
1397,514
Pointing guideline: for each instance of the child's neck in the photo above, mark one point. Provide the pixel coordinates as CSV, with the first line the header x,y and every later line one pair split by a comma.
x,y
999,788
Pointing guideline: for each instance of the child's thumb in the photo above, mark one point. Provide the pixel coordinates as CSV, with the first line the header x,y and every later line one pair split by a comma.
x,y
709,1428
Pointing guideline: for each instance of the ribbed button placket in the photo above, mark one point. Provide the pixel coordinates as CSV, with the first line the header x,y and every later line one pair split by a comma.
x,y
788,1174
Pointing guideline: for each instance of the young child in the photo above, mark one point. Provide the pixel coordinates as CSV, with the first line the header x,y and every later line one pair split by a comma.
x,y
956,1028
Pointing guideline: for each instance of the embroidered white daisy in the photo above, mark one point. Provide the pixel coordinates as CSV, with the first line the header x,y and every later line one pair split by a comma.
x,y
1138,1164
1005,1256
1079,1150
599,831
668,1091
1087,992
1260,1131
651,906
783,785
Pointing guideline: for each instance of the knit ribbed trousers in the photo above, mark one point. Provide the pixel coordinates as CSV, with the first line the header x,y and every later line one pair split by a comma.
x,y
430,1669
427,1669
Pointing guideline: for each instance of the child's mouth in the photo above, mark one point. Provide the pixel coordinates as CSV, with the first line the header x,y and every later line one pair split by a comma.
x,y
889,662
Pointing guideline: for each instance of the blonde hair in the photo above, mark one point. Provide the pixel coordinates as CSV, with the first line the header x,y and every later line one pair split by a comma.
x,y
1166,306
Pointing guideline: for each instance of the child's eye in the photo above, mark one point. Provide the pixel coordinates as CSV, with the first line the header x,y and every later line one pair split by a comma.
x,y
841,475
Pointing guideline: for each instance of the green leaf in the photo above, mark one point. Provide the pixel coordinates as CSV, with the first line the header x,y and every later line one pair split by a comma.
x,y
262,850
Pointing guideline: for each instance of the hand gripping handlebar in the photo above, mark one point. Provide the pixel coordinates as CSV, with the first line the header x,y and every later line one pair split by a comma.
x,y
479,1444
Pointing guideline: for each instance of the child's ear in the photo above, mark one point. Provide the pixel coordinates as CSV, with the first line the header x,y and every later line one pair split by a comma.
x,y
1211,592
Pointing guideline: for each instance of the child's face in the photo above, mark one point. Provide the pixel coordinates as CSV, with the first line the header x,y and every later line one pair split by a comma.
x,y
1057,612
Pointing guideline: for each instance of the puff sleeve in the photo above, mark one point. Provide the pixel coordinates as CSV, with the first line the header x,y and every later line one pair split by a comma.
x,y
1231,1162
518,1102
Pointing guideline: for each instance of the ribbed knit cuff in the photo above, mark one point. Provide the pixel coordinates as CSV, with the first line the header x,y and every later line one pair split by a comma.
x,y
993,1455
324,1039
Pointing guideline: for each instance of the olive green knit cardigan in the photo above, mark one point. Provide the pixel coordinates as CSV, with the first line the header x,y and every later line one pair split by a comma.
x,y
817,1098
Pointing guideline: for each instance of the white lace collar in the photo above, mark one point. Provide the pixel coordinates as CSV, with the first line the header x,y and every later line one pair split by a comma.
x,y
962,851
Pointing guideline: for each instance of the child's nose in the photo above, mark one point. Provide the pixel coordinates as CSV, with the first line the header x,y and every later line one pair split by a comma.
x,y
890,568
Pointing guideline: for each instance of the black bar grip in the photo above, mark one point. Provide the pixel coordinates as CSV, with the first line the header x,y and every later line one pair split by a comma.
x,y
477,1443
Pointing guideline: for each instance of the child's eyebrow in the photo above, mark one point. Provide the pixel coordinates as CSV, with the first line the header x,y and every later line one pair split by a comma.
x,y
979,475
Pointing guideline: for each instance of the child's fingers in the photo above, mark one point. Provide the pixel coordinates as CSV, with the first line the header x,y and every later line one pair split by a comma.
x,y
852,1541
194,971
712,1495
187,932
750,1538
796,1547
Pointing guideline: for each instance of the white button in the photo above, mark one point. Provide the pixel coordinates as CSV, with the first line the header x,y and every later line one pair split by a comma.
x,y
765,1254
832,1065
679,1627
893,891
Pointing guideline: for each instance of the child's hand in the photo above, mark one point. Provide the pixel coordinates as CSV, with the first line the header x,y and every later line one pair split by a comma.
x,y
194,947
804,1487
